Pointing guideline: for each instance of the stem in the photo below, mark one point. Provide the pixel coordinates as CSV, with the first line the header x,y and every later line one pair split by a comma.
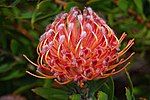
x,y
130,83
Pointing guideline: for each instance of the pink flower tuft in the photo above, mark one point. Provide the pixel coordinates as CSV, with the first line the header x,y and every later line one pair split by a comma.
x,y
80,47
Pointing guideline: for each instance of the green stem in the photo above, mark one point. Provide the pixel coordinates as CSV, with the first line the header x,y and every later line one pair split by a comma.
x,y
130,83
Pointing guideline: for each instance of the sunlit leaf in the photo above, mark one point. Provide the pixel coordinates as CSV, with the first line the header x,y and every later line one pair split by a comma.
x,y
26,15
47,83
75,97
108,88
128,94
130,85
102,96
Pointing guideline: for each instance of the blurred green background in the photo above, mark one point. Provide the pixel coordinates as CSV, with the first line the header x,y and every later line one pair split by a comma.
x,y
23,21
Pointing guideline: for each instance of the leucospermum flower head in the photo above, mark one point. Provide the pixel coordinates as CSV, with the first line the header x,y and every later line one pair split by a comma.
x,y
79,46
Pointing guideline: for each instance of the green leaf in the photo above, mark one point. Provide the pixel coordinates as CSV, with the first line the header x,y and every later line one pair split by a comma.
x,y
50,93
137,90
101,5
102,96
95,85
75,97
130,84
70,5
91,1
15,46
110,19
15,2
48,15
16,12
5,67
26,15
123,5
7,12
128,94
12,75
139,6
44,5
26,87
110,83
23,88
33,18
43,10
34,35
148,34
108,88
47,83
3,38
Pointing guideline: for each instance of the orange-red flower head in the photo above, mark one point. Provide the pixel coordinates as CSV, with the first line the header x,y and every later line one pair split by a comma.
x,y
79,46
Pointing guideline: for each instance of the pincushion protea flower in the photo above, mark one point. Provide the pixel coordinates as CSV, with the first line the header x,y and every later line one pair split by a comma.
x,y
79,46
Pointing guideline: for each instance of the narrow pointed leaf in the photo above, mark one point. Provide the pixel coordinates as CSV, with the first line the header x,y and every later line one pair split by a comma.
x,y
75,97
128,94
102,96
139,5
51,94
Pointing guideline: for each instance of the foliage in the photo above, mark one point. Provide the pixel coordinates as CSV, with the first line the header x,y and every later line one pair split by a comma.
x,y
23,21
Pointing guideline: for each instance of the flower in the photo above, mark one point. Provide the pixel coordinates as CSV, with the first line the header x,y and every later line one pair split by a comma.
x,y
80,46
